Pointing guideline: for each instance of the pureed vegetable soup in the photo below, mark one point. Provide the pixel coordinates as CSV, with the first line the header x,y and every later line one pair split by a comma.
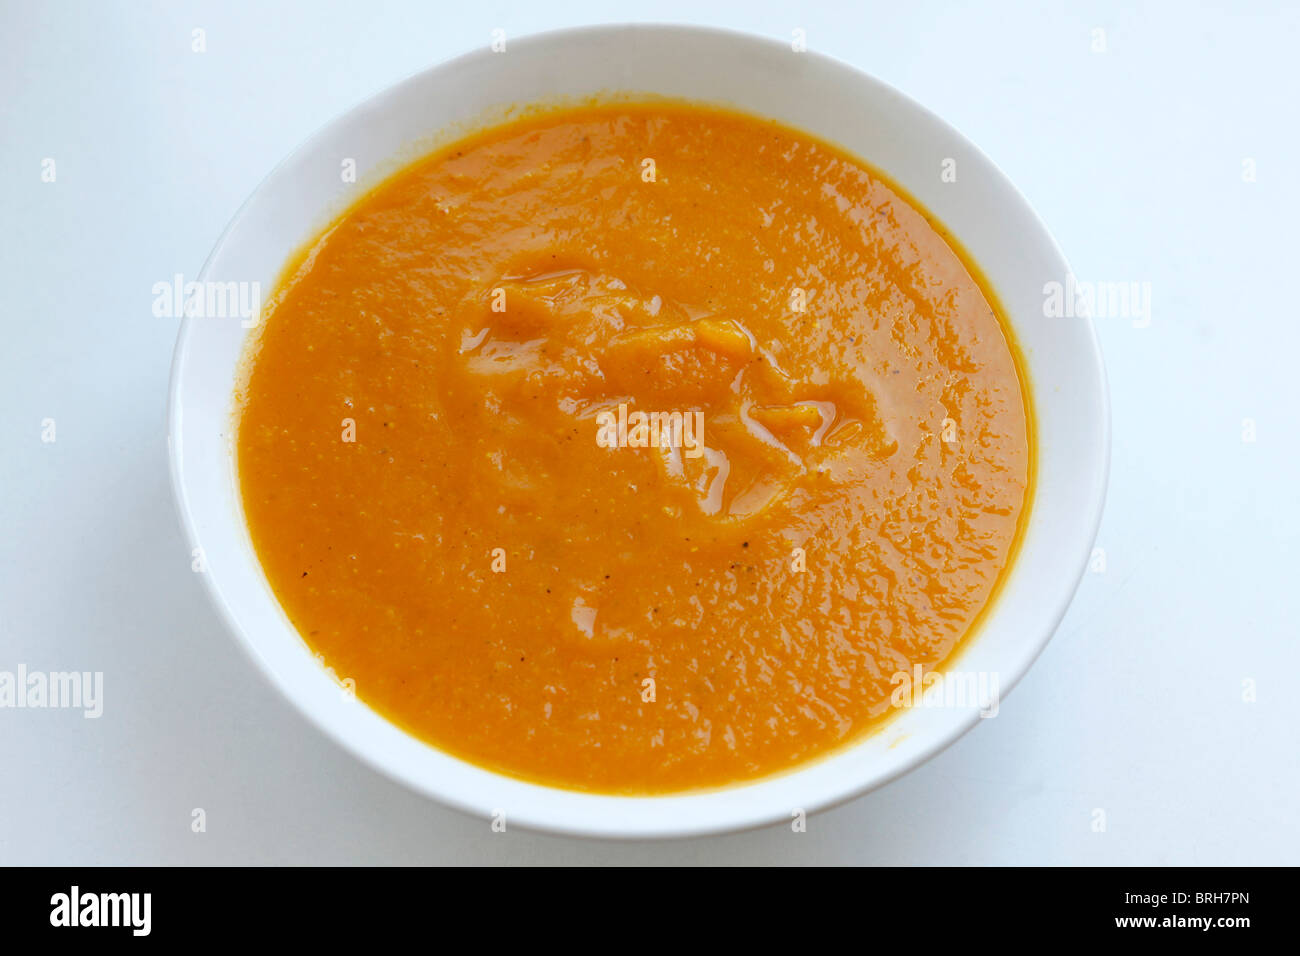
x,y
633,448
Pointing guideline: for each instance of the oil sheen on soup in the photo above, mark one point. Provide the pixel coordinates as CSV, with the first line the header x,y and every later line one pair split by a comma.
x,y
633,447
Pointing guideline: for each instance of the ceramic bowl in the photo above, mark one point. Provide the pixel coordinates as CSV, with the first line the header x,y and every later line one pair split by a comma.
x,y
805,90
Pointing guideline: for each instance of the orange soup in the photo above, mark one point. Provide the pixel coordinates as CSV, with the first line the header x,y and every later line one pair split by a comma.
x,y
634,448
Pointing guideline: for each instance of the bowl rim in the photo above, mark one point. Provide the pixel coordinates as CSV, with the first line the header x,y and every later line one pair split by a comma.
x,y
743,818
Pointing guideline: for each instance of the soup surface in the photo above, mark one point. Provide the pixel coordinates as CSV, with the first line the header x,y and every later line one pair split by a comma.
x,y
633,448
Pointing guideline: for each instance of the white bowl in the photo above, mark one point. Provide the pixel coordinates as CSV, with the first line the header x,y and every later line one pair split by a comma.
x,y
804,90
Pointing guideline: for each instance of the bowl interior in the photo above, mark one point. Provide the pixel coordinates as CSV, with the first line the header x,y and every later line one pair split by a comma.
x,y
804,90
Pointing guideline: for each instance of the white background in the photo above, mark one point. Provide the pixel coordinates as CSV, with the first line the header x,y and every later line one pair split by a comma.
x,y
1134,157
